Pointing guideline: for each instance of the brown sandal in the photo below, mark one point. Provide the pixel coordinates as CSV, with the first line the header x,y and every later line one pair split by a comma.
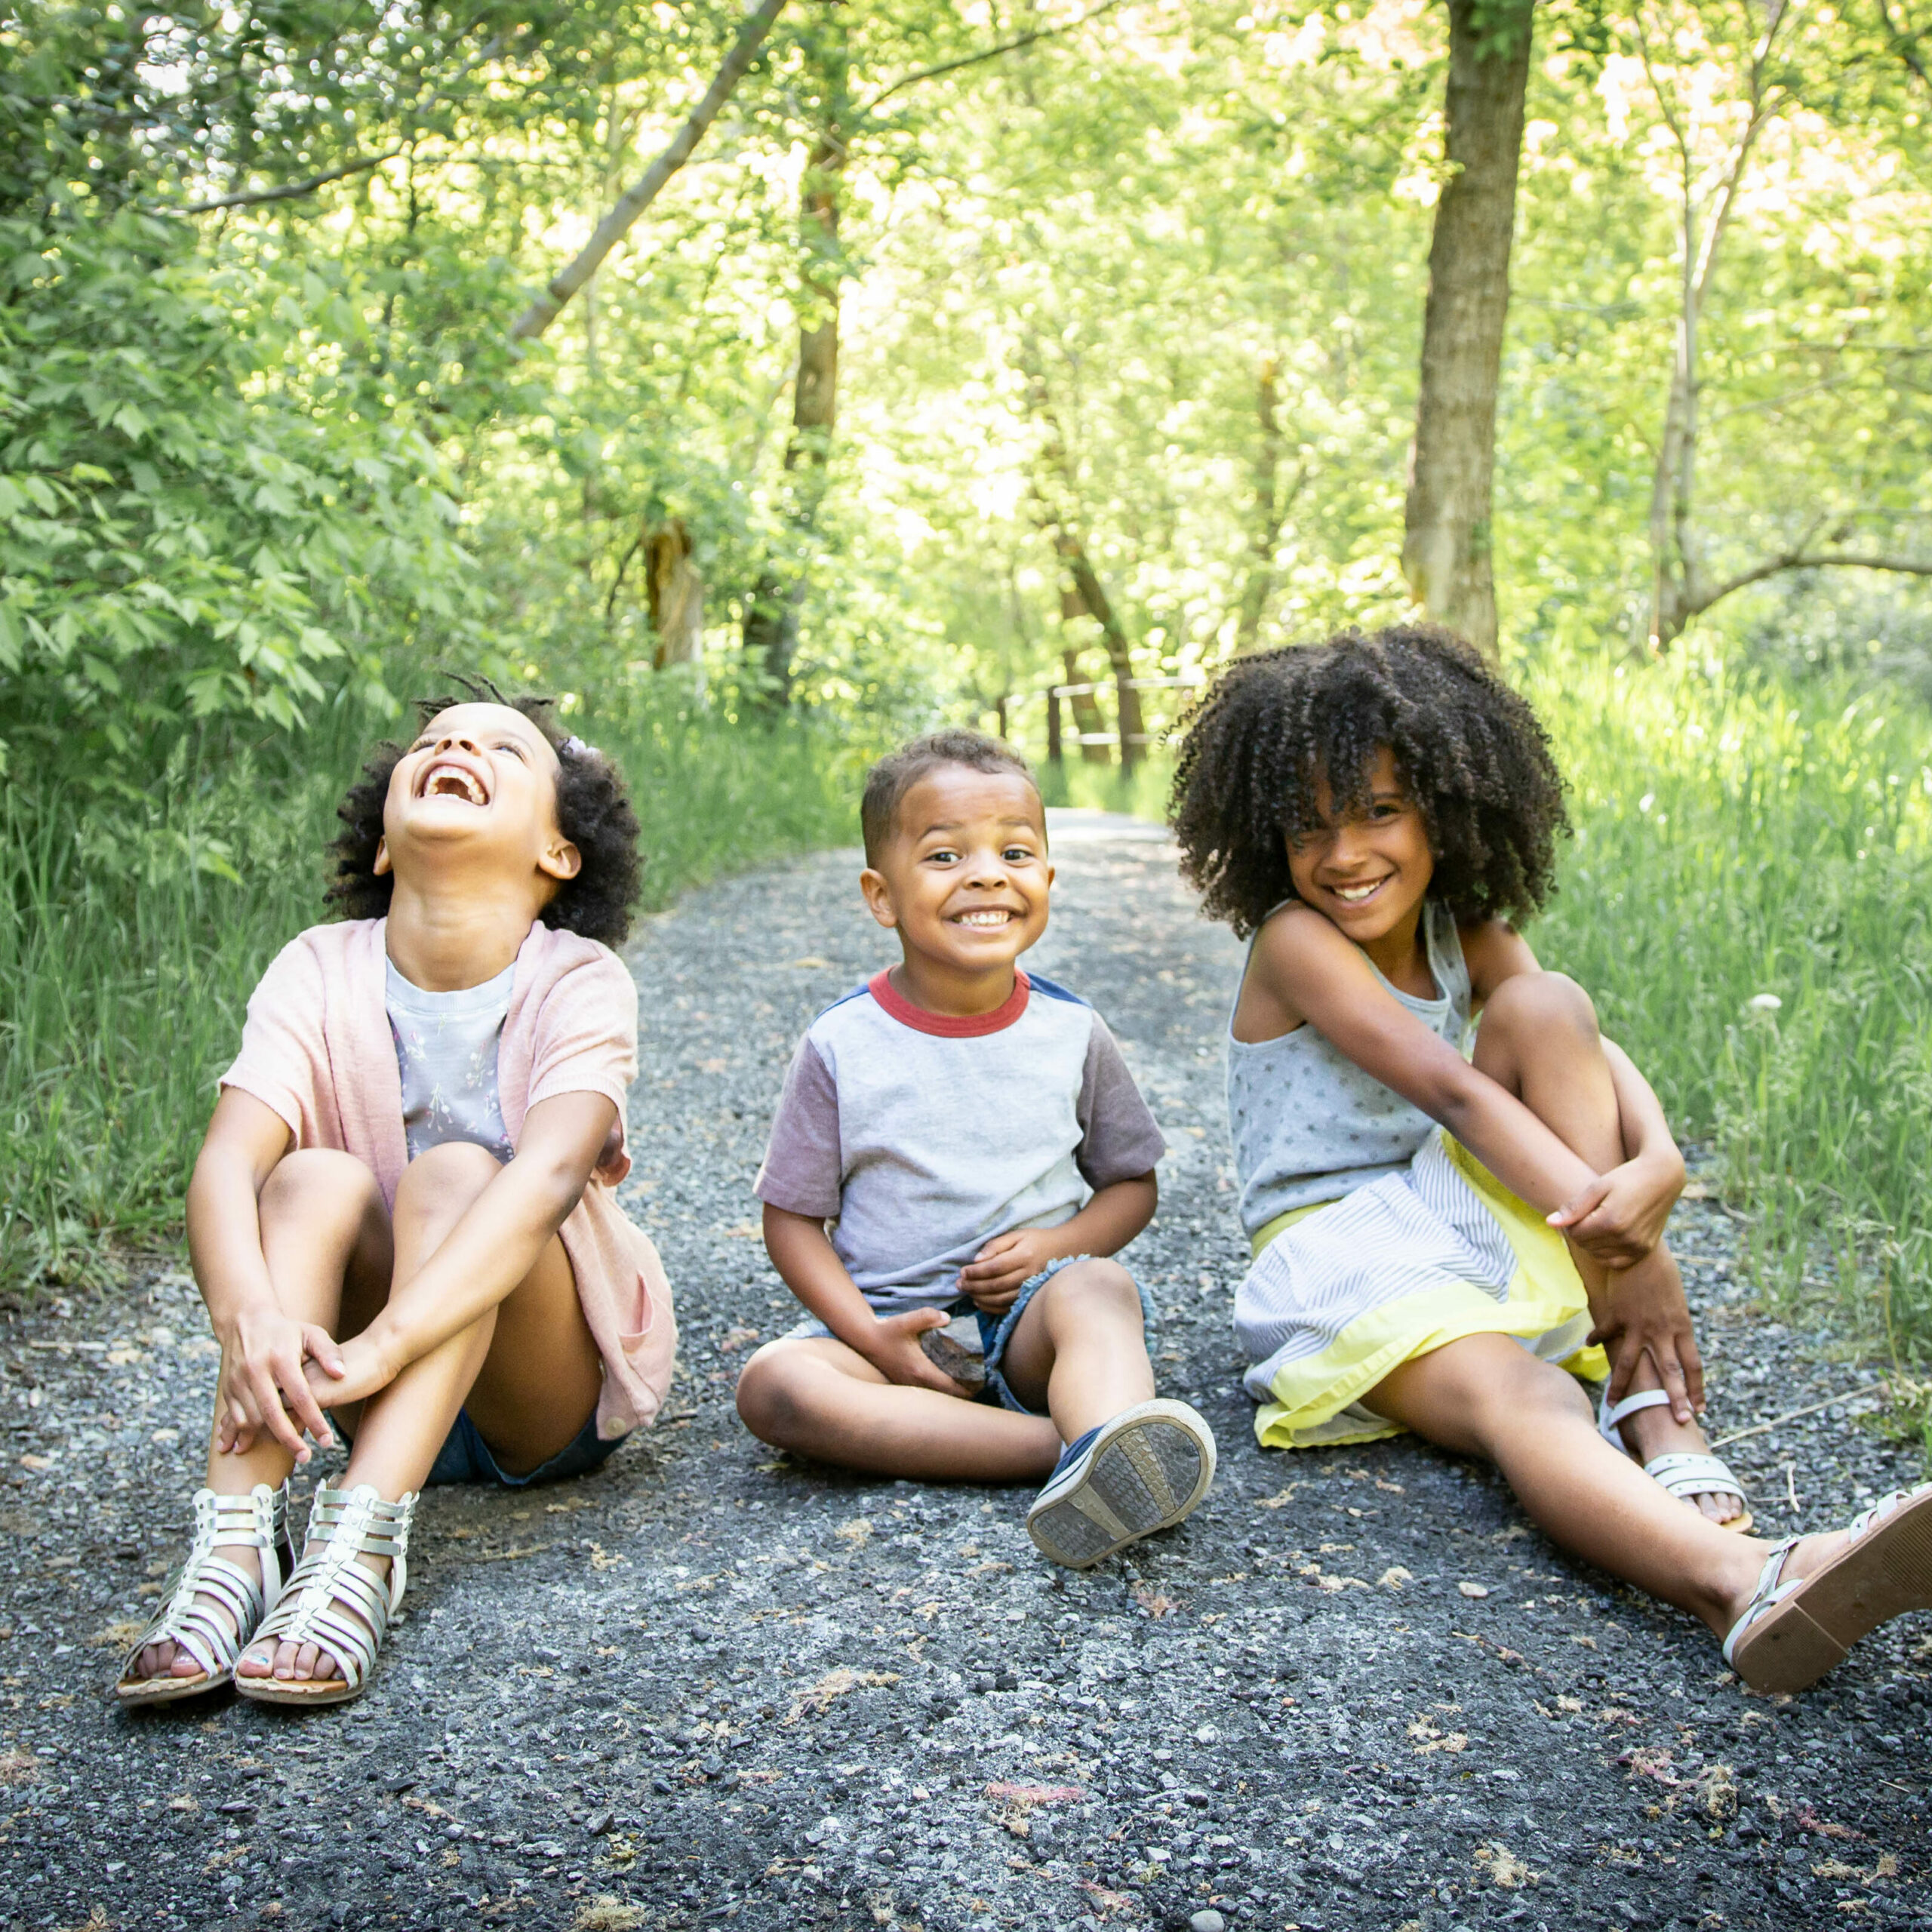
x,y
1792,1633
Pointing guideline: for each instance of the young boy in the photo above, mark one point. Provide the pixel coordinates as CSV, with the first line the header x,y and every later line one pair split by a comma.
x,y
978,1145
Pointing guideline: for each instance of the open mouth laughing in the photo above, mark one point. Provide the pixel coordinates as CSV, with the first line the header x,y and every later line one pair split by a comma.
x,y
985,918
446,780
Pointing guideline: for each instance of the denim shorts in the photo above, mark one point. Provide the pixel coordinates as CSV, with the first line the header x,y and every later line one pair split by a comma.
x,y
465,1457
996,1331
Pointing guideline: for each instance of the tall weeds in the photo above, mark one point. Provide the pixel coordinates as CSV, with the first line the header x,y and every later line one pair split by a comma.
x,y
1750,900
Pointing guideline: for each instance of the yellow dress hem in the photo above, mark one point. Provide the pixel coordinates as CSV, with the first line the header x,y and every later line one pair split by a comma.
x,y
1317,1401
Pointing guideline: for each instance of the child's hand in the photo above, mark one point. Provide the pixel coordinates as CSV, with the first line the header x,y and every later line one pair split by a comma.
x,y
1005,1265
1646,1315
893,1349
360,1371
263,1385
1619,1219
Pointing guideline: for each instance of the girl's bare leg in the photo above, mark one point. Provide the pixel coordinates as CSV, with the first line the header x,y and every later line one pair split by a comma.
x,y
1080,1348
501,1363
323,1224
1486,1396
825,1400
1539,1039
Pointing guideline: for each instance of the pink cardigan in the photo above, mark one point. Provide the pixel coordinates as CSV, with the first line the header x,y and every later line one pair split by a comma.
x,y
317,1048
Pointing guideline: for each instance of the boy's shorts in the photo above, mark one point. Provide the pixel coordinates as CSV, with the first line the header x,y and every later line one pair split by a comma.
x,y
996,1331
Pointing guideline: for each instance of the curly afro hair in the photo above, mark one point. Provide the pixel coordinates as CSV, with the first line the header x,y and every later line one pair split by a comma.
x,y
593,812
1469,750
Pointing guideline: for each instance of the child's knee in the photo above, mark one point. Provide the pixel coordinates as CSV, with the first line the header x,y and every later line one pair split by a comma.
x,y
1530,1388
457,1169
1094,1287
768,1404
1533,1004
321,1184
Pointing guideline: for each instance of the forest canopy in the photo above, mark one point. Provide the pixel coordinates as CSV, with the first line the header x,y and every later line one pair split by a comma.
x,y
973,349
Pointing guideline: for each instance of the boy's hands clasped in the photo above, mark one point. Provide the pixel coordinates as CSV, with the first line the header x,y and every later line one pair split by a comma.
x,y
994,1276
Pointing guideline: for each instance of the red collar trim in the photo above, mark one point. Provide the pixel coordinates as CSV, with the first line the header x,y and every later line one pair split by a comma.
x,y
948,1027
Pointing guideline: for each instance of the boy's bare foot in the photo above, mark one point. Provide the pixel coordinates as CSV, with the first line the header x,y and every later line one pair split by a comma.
x,y
1650,1433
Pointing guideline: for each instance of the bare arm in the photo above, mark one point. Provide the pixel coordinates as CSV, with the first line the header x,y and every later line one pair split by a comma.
x,y
263,1386
1116,1213
1311,969
491,1248
809,1266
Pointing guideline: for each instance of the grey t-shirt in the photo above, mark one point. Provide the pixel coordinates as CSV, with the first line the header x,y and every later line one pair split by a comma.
x,y
446,1054
923,1137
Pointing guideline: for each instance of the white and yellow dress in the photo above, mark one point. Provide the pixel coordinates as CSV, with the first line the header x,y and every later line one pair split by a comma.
x,y
1377,1237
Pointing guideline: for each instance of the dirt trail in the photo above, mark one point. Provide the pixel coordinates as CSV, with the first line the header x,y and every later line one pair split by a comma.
x,y
1354,1693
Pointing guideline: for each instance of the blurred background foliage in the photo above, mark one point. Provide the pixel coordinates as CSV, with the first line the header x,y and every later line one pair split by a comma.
x,y
955,299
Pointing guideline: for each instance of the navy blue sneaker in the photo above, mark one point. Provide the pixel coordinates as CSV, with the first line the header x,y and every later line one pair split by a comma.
x,y
1145,1470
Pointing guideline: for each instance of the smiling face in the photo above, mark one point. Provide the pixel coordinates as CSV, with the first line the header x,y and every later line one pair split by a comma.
x,y
480,781
963,878
1367,869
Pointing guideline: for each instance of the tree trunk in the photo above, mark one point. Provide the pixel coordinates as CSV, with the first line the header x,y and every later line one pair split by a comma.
x,y
1095,601
1081,594
1269,509
1055,754
676,593
1446,548
771,621
1086,719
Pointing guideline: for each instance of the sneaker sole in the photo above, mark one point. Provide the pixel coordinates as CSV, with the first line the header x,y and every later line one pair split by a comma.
x,y
1887,1572
1148,1470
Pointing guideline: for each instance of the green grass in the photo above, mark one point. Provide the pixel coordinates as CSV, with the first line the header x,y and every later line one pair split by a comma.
x,y
126,962
1741,837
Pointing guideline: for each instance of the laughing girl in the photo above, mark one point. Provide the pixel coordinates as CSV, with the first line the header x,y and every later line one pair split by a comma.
x,y
403,1213
1442,1242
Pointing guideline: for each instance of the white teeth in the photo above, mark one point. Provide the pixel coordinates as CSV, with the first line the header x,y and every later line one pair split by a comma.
x,y
984,919
450,781
1353,893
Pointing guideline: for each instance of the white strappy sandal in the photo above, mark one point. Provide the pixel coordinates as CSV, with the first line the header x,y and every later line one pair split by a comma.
x,y
192,1616
1792,1633
334,1602
1686,1474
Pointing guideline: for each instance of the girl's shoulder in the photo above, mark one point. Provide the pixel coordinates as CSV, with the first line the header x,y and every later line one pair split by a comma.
x,y
325,948
565,970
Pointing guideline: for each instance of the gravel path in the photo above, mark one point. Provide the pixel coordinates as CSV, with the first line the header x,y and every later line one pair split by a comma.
x,y
1354,1693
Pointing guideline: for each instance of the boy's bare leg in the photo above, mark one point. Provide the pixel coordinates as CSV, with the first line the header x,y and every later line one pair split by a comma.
x,y
823,1400
323,1223
1079,1349
403,1426
1539,1039
1486,1396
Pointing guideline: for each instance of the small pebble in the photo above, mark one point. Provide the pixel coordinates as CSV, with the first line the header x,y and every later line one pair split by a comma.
x,y
1209,1921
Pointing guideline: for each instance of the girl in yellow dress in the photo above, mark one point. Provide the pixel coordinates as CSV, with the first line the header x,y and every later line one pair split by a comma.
x,y
1445,1241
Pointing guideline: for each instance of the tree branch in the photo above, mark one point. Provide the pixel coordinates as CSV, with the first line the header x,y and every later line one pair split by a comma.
x,y
1802,560
547,307
293,190
990,53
